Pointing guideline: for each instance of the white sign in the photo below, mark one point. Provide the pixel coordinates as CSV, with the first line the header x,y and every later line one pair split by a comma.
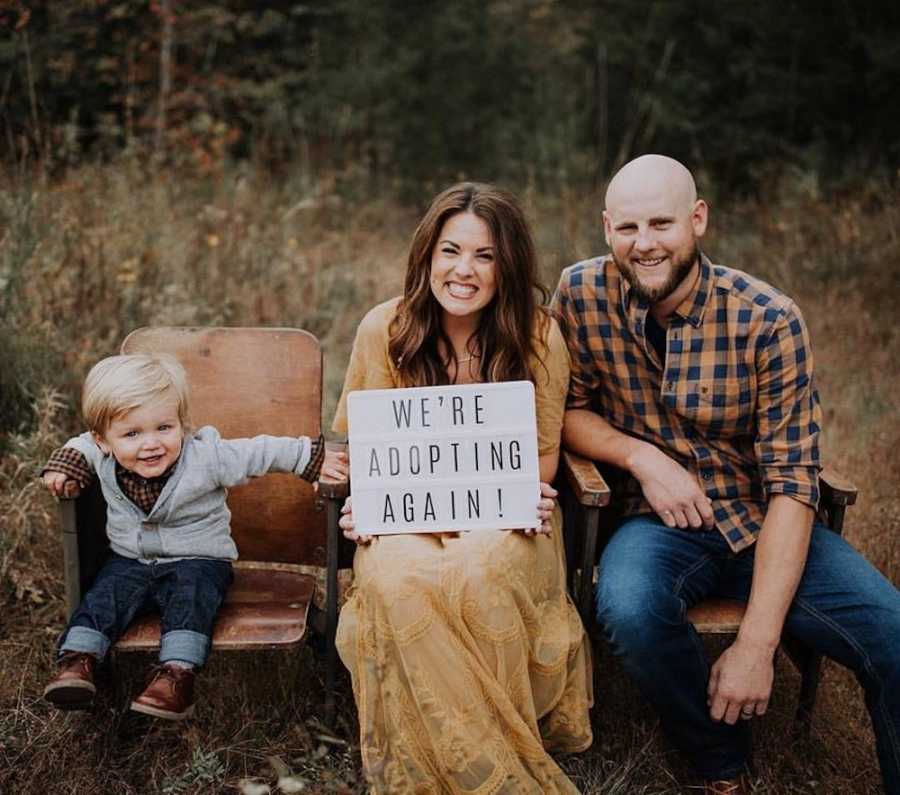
x,y
439,458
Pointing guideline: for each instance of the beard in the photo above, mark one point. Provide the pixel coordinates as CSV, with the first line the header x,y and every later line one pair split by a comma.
x,y
681,266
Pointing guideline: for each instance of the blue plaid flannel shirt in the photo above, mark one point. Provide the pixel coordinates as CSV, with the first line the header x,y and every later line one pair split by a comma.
x,y
734,401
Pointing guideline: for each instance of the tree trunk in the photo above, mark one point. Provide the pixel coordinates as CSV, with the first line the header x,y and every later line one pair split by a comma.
x,y
165,74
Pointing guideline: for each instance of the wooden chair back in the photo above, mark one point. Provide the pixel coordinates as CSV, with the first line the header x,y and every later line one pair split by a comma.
x,y
245,382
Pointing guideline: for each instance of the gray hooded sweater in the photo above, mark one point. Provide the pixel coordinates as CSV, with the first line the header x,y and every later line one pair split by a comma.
x,y
190,518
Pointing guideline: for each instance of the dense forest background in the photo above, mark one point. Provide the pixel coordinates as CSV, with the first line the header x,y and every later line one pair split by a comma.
x,y
408,95
191,162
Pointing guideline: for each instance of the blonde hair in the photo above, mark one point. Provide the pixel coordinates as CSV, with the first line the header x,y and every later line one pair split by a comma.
x,y
119,384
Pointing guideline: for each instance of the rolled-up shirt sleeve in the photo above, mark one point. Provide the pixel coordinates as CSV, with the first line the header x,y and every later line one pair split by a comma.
x,y
71,463
316,458
788,415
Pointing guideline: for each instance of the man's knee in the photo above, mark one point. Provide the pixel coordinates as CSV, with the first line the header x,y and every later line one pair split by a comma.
x,y
636,610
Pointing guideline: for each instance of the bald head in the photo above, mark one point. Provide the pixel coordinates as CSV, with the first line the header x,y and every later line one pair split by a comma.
x,y
653,223
652,178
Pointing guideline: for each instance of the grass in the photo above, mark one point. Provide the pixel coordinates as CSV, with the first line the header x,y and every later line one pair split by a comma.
x,y
112,247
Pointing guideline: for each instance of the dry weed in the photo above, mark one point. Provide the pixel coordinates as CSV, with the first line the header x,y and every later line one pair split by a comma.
x,y
114,247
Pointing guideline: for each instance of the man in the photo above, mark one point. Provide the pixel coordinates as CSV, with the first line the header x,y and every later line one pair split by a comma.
x,y
697,380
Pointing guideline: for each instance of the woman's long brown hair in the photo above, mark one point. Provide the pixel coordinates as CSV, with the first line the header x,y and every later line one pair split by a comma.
x,y
509,327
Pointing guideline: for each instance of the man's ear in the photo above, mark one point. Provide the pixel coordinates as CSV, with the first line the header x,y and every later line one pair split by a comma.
x,y
699,218
104,447
607,228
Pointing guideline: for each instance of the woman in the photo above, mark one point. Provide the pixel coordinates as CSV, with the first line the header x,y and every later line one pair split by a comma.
x,y
467,658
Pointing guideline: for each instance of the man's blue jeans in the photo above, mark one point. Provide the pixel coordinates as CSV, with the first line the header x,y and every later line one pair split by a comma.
x,y
844,608
186,593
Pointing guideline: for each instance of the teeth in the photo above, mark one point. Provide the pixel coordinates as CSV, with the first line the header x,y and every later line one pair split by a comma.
x,y
461,290
649,263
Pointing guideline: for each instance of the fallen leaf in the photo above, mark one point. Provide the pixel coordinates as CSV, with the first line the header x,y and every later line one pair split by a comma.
x,y
250,787
291,784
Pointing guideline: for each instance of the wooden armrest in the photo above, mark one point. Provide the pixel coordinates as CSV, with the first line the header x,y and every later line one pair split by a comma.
x,y
334,489
835,488
587,483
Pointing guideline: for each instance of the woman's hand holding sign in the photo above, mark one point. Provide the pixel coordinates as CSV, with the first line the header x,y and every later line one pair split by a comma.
x,y
546,504
347,524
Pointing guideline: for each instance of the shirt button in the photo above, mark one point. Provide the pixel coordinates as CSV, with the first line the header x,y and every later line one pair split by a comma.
x,y
707,474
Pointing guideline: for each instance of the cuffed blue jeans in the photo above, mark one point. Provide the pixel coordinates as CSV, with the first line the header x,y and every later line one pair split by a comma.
x,y
844,608
186,593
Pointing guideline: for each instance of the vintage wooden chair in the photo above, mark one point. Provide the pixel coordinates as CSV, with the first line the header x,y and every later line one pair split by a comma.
x,y
245,381
590,517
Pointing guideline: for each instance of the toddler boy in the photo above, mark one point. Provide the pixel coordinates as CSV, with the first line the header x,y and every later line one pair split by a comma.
x,y
167,522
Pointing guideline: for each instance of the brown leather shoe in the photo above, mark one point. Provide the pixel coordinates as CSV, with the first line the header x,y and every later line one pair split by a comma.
x,y
731,786
169,693
73,685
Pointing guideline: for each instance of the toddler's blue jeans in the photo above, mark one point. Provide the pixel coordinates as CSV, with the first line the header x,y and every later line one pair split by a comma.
x,y
844,608
186,593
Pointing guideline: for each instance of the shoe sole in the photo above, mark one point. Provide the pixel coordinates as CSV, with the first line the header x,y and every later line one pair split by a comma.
x,y
155,712
70,695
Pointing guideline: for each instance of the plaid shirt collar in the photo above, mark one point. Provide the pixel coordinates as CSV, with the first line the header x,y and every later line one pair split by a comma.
x,y
691,309
143,492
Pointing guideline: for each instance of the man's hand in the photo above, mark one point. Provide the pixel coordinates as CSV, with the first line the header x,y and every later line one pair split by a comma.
x,y
672,491
740,682
61,485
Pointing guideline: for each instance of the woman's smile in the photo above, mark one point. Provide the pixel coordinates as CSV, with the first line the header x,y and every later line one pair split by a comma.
x,y
463,266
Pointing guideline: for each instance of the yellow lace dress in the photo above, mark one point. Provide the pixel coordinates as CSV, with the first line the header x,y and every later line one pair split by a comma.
x,y
467,657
